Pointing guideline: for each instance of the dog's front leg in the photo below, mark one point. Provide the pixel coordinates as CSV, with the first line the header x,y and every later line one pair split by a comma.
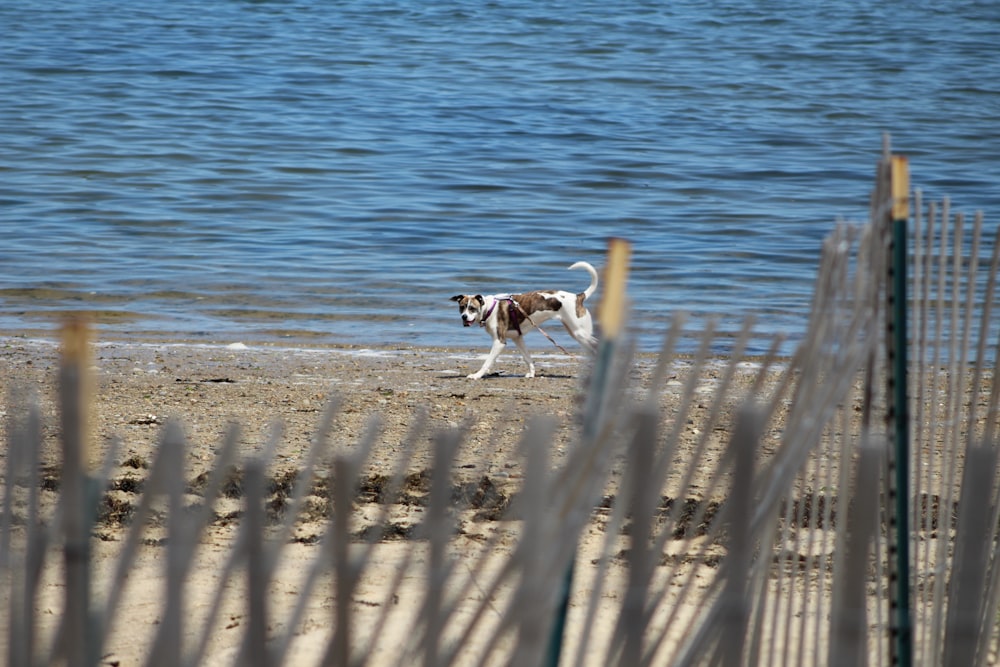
x,y
527,357
490,358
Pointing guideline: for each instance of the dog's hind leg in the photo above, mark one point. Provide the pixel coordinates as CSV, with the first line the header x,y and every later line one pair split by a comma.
x,y
527,357
490,358
581,329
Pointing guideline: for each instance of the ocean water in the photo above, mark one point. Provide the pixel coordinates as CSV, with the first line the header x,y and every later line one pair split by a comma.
x,y
322,173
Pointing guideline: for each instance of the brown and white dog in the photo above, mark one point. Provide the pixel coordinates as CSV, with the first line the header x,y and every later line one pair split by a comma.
x,y
513,315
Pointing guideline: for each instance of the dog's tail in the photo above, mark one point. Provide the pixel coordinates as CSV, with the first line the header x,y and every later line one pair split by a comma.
x,y
593,277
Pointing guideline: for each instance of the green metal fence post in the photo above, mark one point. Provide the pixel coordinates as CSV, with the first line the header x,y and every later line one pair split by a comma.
x,y
900,219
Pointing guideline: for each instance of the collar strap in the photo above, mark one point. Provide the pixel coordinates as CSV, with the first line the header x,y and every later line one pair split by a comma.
x,y
482,321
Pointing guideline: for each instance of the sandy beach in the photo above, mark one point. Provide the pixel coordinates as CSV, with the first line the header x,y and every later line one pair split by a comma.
x,y
207,388
278,397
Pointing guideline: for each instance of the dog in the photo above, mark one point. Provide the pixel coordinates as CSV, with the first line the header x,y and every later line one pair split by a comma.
x,y
512,315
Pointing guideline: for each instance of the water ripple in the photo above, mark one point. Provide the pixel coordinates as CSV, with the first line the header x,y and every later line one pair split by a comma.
x,y
248,169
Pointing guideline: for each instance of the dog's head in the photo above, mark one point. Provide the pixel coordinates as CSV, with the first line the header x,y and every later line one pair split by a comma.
x,y
471,308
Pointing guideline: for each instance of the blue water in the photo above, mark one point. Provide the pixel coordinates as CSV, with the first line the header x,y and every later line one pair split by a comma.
x,y
321,172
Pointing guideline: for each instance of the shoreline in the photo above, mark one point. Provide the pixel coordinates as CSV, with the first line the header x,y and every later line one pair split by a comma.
x,y
475,350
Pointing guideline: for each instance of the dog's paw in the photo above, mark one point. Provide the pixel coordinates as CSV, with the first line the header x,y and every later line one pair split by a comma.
x,y
529,374
474,376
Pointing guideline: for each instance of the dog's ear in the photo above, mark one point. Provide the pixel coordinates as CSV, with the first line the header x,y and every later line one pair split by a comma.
x,y
457,297
480,299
